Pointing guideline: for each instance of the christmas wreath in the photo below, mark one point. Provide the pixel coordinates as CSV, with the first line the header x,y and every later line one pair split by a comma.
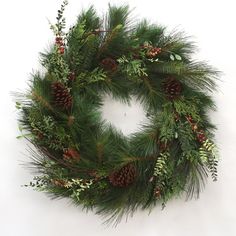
x,y
77,154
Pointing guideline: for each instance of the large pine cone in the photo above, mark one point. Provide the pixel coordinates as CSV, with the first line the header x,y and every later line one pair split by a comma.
x,y
61,95
123,177
172,88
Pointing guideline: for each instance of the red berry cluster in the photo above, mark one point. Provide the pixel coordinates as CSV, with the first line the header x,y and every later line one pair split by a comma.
x,y
201,137
153,52
71,154
61,46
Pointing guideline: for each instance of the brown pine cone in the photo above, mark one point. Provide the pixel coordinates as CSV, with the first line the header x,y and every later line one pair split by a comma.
x,y
109,64
123,177
172,88
61,95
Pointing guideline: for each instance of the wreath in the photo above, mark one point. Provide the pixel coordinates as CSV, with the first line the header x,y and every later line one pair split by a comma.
x,y
78,154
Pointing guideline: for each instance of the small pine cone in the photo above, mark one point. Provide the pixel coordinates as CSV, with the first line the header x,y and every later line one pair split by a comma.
x,y
71,120
172,88
153,52
123,177
109,64
61,95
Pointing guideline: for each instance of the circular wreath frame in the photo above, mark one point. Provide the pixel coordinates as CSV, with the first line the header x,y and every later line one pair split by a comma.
x,y
79,155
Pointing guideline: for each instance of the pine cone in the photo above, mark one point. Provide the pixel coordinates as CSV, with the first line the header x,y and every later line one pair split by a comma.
x,y
109,64
123,177
172,88
61,95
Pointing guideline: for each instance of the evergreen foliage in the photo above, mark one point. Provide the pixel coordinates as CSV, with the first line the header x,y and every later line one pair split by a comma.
x,y
77,151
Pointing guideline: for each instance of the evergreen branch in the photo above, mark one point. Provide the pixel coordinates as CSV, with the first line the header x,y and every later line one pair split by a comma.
x,y
100,150
117,16
60,25
161,167
132,68
209,155
195,179
170,153
41,100
148,85
56,65
111,35
195,74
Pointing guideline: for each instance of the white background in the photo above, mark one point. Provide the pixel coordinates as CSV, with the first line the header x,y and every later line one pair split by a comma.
x,y
25,32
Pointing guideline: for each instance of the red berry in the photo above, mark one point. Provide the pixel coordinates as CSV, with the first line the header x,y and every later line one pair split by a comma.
x,y
58,39
71,154
201,136
190,119
61,50
61,44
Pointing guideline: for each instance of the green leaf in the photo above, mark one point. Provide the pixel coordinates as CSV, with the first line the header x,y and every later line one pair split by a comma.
x,y
176,135
172,57
178,57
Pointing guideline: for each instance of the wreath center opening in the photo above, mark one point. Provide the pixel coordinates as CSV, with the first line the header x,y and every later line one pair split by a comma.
x,y
127,118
